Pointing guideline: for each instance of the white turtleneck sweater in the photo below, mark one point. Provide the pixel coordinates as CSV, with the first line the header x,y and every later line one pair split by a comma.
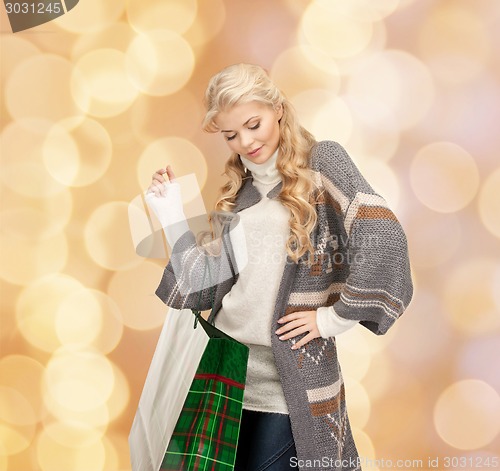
x,y
247,310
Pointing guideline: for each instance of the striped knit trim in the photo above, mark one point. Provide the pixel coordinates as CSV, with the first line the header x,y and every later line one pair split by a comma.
x,y
317,179
329,406
357,296
369,304
361,199
335,192
364,292
314,297
325,393
183,285
372,298
375,212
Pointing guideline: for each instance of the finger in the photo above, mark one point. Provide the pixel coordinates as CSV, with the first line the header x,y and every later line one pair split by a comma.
x,y
161,187
291,317
158,177
303,341
292,324
299,330
157,186
160,172
151,187
170,174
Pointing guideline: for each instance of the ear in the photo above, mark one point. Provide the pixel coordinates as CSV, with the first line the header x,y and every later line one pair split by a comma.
x,y
279,111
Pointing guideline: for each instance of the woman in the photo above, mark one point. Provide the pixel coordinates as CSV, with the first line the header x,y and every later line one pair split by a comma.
x,y
316,252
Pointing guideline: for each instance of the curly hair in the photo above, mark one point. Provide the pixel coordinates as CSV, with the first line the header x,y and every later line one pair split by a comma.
x,y
243,83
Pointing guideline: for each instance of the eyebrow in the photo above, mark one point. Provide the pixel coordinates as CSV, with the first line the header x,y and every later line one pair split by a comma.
x,y
244,124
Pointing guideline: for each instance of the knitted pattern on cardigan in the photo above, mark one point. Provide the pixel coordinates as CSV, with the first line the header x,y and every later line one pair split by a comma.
x,y
360,266
247,310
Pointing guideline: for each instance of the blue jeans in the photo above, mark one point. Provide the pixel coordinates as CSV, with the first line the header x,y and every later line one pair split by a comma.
x,y
265,442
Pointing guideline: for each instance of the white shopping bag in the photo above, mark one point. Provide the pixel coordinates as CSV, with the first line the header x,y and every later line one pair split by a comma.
x,y
174,364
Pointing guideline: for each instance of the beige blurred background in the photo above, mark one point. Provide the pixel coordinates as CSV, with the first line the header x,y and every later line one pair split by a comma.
x,y
94,102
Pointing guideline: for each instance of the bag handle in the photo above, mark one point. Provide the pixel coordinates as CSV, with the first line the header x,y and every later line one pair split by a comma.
x,y
197,312
228,256
211,317
208,325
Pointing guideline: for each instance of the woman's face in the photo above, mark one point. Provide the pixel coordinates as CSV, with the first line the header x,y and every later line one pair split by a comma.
x,y
251,129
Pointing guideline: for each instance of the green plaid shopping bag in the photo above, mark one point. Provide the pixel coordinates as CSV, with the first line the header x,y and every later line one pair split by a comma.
x,y
206,434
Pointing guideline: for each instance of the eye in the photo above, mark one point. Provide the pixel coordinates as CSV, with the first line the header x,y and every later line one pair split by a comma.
x,y
257,126
230,138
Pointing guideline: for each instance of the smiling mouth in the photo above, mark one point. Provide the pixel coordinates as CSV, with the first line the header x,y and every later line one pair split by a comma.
x,y
255,151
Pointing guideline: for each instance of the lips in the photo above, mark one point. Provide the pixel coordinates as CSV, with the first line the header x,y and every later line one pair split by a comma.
x,y
255,151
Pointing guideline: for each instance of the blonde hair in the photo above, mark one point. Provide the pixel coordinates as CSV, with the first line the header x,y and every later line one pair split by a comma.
x,y
242,83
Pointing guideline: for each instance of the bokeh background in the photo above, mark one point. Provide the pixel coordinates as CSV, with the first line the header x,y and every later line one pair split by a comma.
x,y
95,101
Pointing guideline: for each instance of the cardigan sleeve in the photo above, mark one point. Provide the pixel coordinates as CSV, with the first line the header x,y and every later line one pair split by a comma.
x,y
330,324
193,276
378,287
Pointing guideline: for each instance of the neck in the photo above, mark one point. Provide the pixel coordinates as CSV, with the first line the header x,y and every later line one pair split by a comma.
x,y
266,172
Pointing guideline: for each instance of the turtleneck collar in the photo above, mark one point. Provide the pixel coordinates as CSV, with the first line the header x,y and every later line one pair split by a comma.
x,y
266,172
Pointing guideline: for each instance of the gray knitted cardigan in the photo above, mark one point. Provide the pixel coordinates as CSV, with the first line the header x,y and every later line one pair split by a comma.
x,y
361,267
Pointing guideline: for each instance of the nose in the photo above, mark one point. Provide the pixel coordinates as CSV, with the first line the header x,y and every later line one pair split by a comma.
x,y
246,139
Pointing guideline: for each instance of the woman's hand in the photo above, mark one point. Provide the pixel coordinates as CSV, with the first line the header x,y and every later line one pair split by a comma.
x,y
159,181
164,197
298,323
